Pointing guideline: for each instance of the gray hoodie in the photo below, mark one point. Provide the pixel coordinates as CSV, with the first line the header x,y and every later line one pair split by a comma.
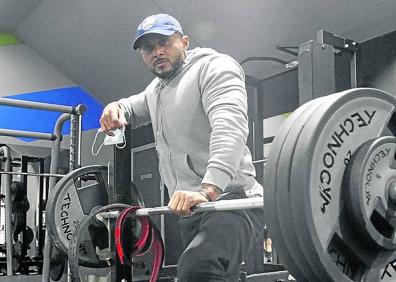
x,y
200,123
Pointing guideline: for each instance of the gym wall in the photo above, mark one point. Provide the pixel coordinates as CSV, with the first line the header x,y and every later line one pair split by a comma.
x,y
25,74
24,71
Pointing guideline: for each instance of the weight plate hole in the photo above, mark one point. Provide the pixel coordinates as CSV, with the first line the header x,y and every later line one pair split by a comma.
x,y
344,258
391,126
381,225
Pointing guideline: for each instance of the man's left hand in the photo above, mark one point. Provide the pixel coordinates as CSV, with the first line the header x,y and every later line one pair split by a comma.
x,y
181,202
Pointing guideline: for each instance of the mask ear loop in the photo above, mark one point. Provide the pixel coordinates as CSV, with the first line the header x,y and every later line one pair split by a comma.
x,y
123,137
93,144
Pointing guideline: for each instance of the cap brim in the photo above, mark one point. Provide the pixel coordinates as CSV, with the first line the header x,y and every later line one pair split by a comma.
x,y
136,43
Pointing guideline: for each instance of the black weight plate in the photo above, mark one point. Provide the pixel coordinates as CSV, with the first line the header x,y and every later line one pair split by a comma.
x,y
71,201
323,150
306,266
28,236
270,197
369,176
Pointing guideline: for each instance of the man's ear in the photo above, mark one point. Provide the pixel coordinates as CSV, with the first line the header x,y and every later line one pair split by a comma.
x,y
186,41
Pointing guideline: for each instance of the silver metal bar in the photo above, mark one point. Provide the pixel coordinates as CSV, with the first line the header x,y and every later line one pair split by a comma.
x,y
73,143
32,174
52,181
353,71
27,134
37,105
79,120
254,138
8,207
225,205
259,161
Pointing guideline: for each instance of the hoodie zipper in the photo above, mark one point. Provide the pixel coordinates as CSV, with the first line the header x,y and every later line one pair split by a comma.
x,y
159,121
160,114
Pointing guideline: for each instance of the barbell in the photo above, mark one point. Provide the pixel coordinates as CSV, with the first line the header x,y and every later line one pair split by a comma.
x,y
71,200
330,191
226,205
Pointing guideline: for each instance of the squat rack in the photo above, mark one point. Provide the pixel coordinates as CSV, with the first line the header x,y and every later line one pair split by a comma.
x,y
72,113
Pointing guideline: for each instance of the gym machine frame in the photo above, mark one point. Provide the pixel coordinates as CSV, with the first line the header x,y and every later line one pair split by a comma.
x,y
316,78
68,112
316,70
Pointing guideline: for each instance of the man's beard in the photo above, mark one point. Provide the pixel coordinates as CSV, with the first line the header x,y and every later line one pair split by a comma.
x,y
170,73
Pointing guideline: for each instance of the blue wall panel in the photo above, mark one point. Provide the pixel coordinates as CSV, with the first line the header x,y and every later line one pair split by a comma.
x,y
44,121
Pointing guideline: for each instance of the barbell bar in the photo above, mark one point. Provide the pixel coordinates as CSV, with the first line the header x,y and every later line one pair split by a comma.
x,y
226,205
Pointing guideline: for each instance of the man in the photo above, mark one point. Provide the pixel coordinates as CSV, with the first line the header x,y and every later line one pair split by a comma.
x,y
197,105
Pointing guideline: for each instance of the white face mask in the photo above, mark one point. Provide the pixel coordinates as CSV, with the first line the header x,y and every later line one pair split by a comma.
x,y
118,138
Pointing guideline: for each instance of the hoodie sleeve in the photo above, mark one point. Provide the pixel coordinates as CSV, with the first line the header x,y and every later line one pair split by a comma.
x,y
224,100
136,109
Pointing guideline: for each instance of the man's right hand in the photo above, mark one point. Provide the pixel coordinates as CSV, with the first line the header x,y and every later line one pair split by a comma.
x,y
113,117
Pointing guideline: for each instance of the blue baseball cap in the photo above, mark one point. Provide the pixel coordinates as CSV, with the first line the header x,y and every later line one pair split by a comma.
x,y
159,24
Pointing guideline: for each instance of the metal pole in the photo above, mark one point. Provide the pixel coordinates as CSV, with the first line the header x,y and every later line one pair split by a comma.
x,y
40,207
316,75
74,154
353,71
79,140
73,143
225,205
27,134
8,207
120,192
260,161
32,174
53,170
40,106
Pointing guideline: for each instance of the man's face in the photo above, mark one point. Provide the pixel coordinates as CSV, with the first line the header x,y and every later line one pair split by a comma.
x,y
164,54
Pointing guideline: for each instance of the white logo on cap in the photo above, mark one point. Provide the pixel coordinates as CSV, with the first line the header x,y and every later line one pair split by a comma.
x,y
148,23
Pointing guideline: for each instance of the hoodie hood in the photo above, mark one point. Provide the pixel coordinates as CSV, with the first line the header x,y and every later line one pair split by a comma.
x,y
197,53
191,57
